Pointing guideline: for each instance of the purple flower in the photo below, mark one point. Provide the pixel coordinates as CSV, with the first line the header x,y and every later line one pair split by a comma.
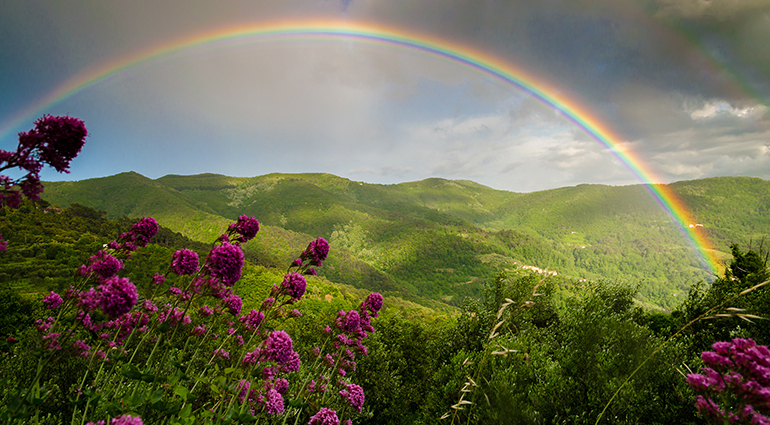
x,y
225,263
61,139
279,347
274,402
104,264
316,252
3,244
233,304
295,285
349,322
117,296
144,230
373,302
293,364
325,416
53,300
354,394
185,262
127,420
252,320
247,227
158,279
252,358
737,373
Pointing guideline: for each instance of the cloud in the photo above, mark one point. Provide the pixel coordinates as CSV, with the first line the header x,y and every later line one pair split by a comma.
x,y
718,107
719,10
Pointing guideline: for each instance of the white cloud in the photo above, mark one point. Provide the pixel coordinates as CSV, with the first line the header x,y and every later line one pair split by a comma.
x,y
718,107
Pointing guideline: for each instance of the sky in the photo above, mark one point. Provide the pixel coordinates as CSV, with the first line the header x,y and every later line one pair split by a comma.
x,y
682,86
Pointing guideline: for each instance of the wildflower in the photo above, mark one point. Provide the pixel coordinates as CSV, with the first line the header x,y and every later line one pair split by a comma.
x,y
185,262
144,230
233,304
348,322
373,303
81,348
252,320
199,331
295,285
159,279
53,300
736,373
293,364
206,311
274,402
252,358
316,252
60,140
225,262
278,347
103,264
295,313
354,394
117,296
127,420
220,352
3,243
247,227
325,416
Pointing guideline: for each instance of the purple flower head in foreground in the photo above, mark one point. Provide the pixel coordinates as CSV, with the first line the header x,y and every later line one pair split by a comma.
x,y
325,416
274,402
53,300
60,140
295,285
736,374
373,302
144,230
185,262
127,420
252,320
104,264
316,252
117,296
247,227
279,347
233,304
225,263
349,322
354,394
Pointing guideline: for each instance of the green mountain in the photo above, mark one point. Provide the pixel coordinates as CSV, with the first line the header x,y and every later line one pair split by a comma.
x,y
444,239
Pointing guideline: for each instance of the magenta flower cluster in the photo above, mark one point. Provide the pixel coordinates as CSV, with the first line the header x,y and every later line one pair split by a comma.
x,y
295,285
316,252
185,262
325,416
225,263
245,228
55,141
734,385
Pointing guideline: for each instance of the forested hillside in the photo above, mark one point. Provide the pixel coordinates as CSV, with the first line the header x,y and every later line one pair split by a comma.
x,y
442,239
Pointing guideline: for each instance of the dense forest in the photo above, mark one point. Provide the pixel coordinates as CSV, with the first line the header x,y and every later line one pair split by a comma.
x,y
441,240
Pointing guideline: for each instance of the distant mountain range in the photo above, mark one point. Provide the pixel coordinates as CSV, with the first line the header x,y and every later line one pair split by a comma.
x,y
444,239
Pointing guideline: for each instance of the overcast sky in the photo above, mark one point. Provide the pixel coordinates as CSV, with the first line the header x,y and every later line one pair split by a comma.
x,y
683,83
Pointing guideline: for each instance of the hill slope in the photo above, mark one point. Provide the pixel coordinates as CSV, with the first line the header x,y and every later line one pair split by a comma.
x,y
443,239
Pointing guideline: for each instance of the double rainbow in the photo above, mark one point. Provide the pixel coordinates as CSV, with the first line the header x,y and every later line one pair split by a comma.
x,y
466,57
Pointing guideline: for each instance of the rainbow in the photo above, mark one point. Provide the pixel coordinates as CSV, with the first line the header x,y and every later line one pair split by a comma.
x,y
377,34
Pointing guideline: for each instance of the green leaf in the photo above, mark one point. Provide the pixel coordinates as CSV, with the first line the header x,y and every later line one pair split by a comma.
x,y
181,392
186,411
157,395
131,371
